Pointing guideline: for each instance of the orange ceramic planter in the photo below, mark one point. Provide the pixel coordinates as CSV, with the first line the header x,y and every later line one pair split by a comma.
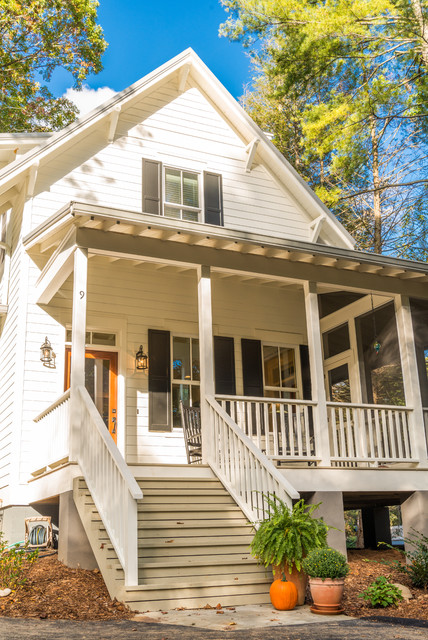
x,y
327,595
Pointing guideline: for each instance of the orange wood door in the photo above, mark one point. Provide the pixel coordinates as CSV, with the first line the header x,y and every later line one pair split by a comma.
x,y
100,382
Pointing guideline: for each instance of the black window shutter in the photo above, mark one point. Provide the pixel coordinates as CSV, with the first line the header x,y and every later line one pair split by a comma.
x,y
306,372
159,380
213,198
224,360
252,370
152,186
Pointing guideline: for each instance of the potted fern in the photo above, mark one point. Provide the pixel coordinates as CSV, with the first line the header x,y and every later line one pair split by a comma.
x,y
285,537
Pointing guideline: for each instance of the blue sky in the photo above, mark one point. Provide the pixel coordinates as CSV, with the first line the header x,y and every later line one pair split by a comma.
x,y
144,34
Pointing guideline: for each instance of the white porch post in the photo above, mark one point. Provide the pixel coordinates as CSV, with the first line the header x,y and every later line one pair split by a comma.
x,y
411,383
317,373
78,332
206,353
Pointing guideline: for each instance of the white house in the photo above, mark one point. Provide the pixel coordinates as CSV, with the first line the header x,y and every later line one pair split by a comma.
x,y
165,219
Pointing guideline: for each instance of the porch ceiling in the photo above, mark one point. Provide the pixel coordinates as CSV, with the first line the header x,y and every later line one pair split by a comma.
x,y
140,226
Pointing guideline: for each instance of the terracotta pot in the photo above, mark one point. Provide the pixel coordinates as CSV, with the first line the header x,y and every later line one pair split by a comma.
x,y
327,595
298,578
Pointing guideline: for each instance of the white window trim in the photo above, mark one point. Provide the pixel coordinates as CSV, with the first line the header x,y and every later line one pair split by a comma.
x,y
165,203
298,389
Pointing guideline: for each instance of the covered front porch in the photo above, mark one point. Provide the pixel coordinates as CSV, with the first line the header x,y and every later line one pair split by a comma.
x,y
274,341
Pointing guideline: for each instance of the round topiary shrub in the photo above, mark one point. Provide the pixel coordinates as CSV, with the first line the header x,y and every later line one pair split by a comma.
x,y
325,563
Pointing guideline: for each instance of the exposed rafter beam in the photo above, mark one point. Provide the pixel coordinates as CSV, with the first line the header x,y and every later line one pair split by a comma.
x,y
251,149
316,226
32,179
57,270
182,77
8,197
112,123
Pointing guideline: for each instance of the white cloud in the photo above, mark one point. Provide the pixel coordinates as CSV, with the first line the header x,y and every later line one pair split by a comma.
x,y
87,99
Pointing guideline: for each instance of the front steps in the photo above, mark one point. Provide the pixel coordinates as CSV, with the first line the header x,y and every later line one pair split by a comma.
x,y
193,547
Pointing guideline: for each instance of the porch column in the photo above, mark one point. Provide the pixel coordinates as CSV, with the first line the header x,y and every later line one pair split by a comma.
x,y
412,389
206,353
78,333
317,373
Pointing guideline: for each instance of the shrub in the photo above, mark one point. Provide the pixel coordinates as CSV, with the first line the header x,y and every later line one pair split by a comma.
x,y
417,569
325,563
287,535
14,564
382,593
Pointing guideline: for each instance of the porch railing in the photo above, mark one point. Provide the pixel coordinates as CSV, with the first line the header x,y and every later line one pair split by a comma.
x,y
113,488
369,433
51,434
242,467
282,429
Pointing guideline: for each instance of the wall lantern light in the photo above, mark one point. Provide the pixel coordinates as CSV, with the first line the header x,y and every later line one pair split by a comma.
x,y
47,355
141,359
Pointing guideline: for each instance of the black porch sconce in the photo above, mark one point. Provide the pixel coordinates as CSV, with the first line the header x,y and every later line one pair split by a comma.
x,y
47,355
141,360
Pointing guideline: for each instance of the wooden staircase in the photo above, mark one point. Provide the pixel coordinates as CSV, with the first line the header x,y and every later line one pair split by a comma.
x,y
193,547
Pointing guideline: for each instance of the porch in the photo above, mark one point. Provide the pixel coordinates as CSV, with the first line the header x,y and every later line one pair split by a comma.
x,y
279,417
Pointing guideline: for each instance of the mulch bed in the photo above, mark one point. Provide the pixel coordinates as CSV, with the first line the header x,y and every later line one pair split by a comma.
x,y
366,566
55,592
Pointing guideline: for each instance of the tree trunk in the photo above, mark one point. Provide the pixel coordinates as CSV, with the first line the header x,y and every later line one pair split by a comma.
x,y
377,211
417,10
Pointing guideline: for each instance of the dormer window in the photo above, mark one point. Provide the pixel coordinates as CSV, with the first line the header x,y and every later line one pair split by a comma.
x,y
181,189
182,194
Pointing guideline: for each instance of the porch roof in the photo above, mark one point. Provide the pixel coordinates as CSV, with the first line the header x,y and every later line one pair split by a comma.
x,y
52,232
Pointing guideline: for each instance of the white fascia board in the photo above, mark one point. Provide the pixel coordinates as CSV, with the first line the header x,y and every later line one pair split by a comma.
x,y
70,134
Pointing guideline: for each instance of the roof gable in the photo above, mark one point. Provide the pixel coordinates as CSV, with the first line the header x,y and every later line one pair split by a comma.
x,y
183,72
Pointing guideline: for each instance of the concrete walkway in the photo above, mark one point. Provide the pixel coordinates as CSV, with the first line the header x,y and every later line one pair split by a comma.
x,y
238,618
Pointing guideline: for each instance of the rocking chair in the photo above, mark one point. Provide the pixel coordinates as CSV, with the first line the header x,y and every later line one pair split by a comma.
x,y
191,423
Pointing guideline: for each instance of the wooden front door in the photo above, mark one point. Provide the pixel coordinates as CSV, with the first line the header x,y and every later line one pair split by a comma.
x,y
100,382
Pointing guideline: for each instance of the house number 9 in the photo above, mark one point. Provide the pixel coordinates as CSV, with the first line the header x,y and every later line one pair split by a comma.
x,y
82,295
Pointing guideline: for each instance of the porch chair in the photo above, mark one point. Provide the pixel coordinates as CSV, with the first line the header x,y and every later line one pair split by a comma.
x,y
191,423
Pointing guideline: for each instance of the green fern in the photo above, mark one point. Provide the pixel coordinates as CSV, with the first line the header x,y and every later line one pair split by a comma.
x,y
287,536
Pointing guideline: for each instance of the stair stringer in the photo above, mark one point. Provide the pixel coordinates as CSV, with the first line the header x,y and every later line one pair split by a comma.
x,y
104,553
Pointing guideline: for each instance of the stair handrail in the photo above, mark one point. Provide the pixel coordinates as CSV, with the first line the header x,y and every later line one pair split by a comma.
x,y
244,470
113,488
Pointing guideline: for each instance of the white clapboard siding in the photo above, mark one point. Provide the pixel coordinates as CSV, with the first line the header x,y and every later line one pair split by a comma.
x,y
148,298
11,365
184,131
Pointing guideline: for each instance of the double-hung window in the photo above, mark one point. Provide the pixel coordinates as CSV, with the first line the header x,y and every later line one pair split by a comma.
x,y
181,193
182,197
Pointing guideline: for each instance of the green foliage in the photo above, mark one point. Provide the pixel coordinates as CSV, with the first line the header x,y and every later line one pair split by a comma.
x,y
382,593
287,536
325,563
417,556
343,87
14,564
37,38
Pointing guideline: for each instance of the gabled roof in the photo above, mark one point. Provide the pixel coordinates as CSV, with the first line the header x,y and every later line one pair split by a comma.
x,y
186,67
